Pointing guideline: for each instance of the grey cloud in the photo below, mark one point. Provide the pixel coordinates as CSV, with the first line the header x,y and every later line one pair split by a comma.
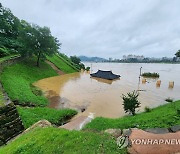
x,y
107,28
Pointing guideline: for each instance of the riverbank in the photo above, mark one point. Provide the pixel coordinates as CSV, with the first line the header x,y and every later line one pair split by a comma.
x,y
17,81
163,116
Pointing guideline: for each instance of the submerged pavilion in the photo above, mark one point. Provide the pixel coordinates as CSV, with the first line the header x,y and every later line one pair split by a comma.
x,y
105,75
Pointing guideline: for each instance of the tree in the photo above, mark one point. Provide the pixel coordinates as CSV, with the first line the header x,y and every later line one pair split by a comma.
x,y
131,102
37,41
9,31
75,59
178,53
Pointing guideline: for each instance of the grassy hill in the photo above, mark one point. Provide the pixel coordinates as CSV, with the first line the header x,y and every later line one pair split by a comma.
x,y
55,140
63,64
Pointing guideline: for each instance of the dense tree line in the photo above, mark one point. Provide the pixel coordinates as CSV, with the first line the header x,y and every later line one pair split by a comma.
x,y
20,37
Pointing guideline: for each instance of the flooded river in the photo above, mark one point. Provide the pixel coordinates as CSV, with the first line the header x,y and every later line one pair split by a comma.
x,y
104,98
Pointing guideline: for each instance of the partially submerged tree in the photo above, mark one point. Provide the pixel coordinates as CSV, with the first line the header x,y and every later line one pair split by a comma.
x,y
131,102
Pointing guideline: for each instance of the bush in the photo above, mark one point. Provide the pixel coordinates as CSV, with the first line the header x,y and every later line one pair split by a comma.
x,y
87,68
131,102
147,109
82,66
150,75
170,100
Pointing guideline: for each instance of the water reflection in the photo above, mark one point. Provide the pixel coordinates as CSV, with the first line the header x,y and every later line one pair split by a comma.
x,y
104,80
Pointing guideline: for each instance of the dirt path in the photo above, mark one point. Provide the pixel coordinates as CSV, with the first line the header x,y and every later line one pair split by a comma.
x,y
55,68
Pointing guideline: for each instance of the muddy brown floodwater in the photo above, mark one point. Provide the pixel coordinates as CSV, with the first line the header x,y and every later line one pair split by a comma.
x,y
103,97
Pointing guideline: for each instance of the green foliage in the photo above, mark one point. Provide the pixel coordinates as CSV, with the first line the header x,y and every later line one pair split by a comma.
x,y
8,57
178,53
163,116
30,116
151,75
17,80
56,60
169,100
68,61
2,101
37,41
82,66
55,141
131,102
9,26
27,39
75,59
147,109
87,68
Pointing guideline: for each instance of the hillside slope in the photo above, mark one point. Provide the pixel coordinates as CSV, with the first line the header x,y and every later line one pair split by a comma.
x,y
63,64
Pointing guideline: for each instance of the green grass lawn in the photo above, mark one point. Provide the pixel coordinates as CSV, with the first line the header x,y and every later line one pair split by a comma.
x,y
1,98
67,60
162,117
17,79
56,60
30,116
55,141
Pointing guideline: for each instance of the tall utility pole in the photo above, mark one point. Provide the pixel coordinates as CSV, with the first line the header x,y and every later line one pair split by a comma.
x,y
91,67
140,72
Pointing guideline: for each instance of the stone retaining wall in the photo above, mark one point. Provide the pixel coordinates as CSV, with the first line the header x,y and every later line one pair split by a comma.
x,y
10,123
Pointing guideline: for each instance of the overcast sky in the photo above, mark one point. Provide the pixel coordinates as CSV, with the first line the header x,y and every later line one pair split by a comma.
x,y
107,28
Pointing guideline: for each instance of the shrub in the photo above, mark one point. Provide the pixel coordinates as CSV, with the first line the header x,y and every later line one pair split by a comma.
x,y
170,100
147,109
131,102
87,68
150,75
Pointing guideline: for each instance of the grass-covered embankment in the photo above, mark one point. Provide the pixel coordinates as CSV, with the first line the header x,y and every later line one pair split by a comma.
x,y
30,116
18,78
61,64
162,117
1,98
54,140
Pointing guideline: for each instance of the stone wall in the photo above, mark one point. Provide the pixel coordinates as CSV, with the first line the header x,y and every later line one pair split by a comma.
x,y
10,123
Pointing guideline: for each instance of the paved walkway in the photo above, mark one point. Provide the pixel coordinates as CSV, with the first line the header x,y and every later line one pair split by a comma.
x,y
168,143
78,123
